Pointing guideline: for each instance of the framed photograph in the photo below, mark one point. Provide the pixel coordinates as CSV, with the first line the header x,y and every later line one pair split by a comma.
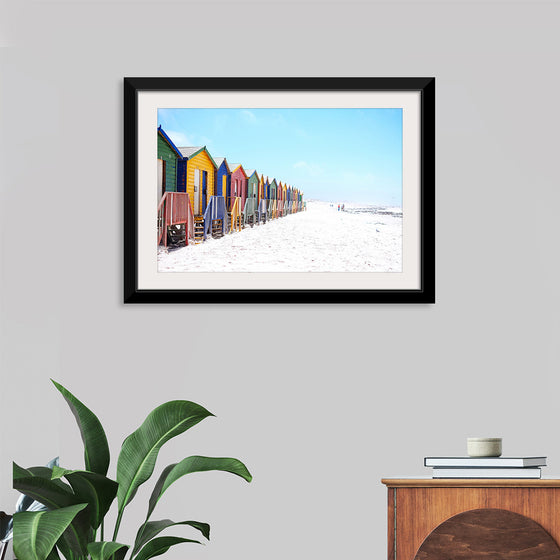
x,y
279,190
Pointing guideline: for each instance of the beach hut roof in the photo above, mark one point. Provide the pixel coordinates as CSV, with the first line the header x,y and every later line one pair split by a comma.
x,y
191,151
234,166
249,172
220,160
169,141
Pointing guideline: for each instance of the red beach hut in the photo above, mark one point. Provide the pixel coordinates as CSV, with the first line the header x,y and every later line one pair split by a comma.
x,y
238,193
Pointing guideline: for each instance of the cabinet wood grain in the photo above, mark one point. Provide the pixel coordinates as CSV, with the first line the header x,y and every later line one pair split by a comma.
x,y
415,510
488,534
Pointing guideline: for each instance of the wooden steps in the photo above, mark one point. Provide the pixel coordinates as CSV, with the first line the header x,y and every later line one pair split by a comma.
x,y
217,228
198,229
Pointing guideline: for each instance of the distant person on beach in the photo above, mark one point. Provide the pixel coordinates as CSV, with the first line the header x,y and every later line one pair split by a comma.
x,y
342,208
338,208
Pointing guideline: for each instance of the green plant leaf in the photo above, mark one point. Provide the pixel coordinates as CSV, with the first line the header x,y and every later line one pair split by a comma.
x,y
36,533
46,473
105,550
55,494
19,471
159,546
140,449
148,531
196,463
96,448
25,503
95,489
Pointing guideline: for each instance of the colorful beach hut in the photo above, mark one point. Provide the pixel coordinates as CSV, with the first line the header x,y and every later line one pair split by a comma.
x,y
238,182
261,199
262,182
223,177
289,199
167,156
175,223
196,174
238,195
266,189
251,203
281,192
252,183
272,201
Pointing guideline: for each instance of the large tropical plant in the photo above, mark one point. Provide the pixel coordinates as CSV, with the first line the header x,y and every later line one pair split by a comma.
x,y
77,501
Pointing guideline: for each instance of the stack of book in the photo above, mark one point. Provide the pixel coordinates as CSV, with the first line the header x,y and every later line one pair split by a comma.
x,y
485,467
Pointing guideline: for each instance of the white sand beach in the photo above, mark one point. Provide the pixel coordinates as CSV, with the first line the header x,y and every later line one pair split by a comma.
x,y
321,239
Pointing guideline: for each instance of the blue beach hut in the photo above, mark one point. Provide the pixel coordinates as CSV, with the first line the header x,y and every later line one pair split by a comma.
x,y
223,177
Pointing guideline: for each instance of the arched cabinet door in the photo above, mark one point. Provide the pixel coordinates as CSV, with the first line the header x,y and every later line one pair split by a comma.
x,y
488,534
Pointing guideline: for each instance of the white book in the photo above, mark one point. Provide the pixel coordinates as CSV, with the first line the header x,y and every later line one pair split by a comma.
x,y
494,472
467,462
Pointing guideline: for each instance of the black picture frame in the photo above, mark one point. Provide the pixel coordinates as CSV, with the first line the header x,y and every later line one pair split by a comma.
x,y
424,293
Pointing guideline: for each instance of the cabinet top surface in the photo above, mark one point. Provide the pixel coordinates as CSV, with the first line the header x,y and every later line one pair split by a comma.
x,y
471,482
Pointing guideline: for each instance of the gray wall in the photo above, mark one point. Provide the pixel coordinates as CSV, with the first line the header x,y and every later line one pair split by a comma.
x,y
366,391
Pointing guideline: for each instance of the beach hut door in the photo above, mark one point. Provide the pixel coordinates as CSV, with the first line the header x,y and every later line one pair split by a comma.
x,y
204,189
196,192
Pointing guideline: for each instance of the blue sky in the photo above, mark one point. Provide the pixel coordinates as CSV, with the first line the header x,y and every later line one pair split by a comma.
x,y
352,155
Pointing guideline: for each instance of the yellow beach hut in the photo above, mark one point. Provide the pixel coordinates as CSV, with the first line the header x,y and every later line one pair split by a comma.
x,y
196,175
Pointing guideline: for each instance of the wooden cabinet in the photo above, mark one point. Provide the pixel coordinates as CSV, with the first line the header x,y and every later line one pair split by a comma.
x,y
506,519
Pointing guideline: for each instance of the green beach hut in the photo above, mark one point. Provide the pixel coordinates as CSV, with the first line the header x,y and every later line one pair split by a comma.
x,y
167,156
